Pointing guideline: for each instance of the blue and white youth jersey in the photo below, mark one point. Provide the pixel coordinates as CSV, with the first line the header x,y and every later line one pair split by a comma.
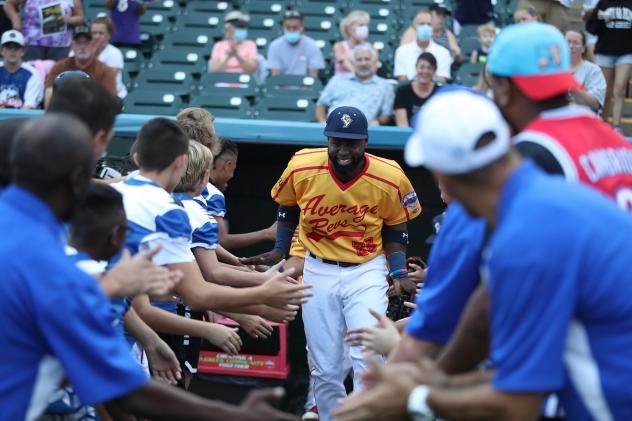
x,y
154,217
214,201
53,317
205,231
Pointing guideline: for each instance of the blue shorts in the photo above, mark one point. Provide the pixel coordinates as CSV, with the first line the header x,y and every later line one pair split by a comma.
x,y
612,61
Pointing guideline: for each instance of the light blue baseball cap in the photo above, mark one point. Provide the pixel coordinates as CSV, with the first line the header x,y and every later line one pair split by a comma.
x,y
536,57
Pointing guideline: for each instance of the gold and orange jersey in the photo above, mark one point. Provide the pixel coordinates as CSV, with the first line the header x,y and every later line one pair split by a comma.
x,y
343,221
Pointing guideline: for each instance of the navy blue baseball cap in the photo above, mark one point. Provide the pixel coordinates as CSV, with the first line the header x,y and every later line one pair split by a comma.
x,y
347,123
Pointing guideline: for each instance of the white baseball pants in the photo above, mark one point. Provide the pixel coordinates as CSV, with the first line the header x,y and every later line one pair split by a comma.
x,y
341,301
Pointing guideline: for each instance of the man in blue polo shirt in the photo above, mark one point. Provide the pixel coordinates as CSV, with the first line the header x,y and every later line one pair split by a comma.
x,y
561,301
53,314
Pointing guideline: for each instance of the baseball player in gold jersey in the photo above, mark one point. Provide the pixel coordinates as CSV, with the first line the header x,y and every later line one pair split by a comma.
x,y
352,208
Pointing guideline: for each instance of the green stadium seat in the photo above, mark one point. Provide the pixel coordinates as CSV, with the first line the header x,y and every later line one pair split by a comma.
x,y
468,45
223,105
321,10
263,37
190,40
263,22
148,41
379,11
292,85
271,8
469,73
205,7
169,8
180,59
289,108
91,12
176,82
148,101
327,28
132,59
213,26
154,23
228,84
468,31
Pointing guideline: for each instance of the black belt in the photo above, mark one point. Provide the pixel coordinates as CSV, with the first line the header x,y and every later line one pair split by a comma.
x,y
334,262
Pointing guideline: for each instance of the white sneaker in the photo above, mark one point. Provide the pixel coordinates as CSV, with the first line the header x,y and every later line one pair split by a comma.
x,y
312,414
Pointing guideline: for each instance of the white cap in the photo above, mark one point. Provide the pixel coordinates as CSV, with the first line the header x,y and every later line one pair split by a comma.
x,y
12,36
448,128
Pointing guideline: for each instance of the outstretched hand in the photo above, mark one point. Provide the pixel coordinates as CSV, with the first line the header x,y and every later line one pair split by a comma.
x,y
268,258
281,290
257,406
379,339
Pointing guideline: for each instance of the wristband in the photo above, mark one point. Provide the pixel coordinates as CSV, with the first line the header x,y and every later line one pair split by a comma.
x,y
397,265
418,408
283,239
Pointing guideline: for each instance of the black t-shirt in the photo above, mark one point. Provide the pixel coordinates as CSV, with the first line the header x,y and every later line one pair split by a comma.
x,y
407,99
615,34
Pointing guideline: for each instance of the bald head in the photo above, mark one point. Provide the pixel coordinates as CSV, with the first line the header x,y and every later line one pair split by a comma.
x,y
53,155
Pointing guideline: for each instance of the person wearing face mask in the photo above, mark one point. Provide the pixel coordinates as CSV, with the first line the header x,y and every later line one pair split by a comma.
x,y
588,74
235,54
406,55
362,89
294,53
355,31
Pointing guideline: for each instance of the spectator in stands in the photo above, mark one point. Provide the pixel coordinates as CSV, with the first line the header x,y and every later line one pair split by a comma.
x,y
612,21
406,55
20,84
550,11
440,34
526,14
411,96
47,26
294,53
588,74
236,53
472,12
362,89
126,15
355,31
102,29
486,35
85,58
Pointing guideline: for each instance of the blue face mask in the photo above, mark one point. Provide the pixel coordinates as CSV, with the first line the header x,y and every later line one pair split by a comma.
x,y
240,34
292,37
424,32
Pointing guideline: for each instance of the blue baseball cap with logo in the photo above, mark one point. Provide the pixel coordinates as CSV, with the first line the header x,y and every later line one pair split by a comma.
x,y
347,123
536,57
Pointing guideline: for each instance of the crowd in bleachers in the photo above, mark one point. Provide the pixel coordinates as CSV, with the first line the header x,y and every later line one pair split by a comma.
x,y
166,51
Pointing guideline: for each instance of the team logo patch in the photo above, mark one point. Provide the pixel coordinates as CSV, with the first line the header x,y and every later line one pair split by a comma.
x,y
409,201
346,119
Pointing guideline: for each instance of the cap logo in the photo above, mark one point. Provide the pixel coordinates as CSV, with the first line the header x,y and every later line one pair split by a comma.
x,y
346,120
550,57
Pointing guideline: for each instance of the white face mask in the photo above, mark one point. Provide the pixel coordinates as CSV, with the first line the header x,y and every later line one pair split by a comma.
x,y
361,32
